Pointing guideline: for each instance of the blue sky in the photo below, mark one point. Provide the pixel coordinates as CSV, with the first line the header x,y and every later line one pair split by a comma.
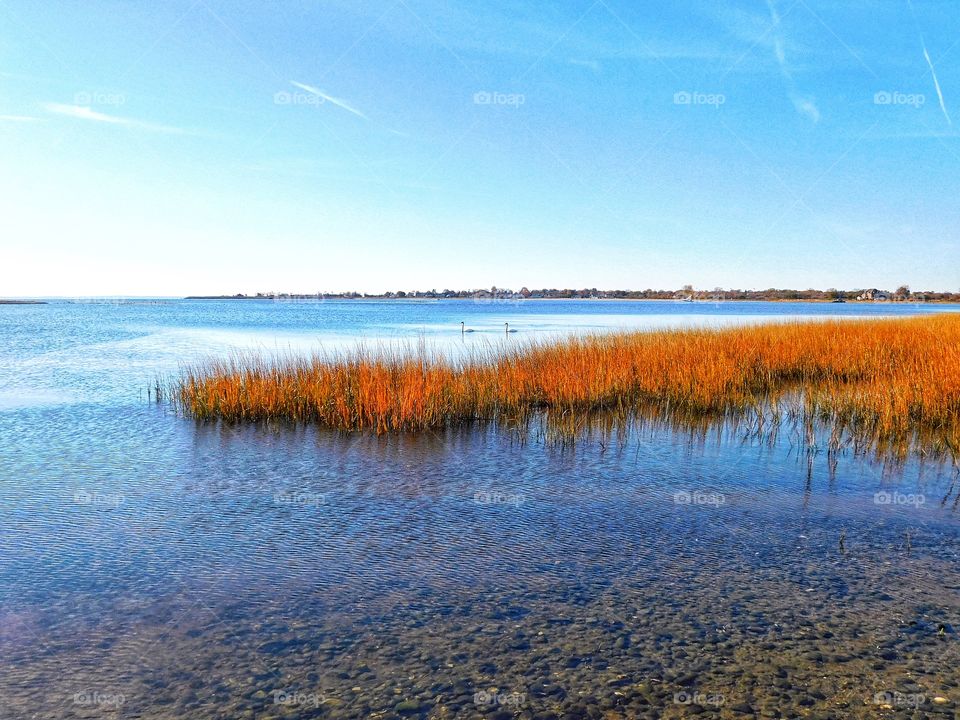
x,y
213,146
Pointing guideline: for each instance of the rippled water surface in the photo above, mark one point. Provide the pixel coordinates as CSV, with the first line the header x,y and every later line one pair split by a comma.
x,y
151,567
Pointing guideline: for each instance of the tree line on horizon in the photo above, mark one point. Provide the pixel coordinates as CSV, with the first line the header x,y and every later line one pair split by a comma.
x,y
687,292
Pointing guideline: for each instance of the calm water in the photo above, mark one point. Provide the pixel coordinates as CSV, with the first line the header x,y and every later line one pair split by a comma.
x,y
151,567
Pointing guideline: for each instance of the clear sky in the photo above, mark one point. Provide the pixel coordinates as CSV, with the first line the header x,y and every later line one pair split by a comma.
x,y
221,146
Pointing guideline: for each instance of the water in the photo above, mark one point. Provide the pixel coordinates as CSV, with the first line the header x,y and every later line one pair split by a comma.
x,y
151,567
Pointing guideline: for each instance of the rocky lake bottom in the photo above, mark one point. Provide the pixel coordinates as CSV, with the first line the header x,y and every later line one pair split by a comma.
x,y
293,573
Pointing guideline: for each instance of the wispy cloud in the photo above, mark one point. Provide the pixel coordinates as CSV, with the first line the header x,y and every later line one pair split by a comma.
x,y
329,98
933,71
778,51
22,76
85,113
20,118
936,84
804,105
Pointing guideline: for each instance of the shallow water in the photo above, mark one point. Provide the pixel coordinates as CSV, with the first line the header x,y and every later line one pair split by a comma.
x,y
151,567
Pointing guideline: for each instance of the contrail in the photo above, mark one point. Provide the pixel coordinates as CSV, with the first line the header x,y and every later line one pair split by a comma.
x,y
329,98
804,105
936,84
777,42
84,113
926,56
19,118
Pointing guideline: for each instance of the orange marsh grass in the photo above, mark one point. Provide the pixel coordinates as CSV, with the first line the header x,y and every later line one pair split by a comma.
x,y
879,378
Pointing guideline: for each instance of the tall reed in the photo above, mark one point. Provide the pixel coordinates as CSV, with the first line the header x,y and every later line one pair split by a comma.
x,y
883,379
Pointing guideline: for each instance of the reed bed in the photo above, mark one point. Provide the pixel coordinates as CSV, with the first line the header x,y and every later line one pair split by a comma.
x,y
889,380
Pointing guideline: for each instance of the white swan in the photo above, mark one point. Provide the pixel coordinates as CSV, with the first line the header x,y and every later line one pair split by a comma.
x,y
464,329
506,326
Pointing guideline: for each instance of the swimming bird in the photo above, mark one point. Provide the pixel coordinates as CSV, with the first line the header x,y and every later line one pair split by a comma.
x,y
506,326
463,328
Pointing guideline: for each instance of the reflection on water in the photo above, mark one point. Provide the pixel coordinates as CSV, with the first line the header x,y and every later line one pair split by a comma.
x,y
155,568
282,572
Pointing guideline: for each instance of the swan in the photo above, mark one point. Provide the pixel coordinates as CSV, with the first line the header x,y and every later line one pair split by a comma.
x,y
506,327
463,328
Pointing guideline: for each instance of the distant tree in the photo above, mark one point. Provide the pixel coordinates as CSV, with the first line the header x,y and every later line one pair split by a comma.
x,y
903,291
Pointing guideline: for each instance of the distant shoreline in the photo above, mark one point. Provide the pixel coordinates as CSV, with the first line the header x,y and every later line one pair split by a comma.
x,y
491,300
701,299
686,293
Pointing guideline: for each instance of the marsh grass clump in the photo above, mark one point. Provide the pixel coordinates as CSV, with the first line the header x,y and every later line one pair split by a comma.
x,y
890,381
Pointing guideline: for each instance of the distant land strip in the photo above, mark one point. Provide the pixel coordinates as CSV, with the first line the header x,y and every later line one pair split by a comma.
x,y
686,293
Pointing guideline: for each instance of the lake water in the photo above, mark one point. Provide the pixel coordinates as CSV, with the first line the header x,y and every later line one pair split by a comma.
x,y
153,567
